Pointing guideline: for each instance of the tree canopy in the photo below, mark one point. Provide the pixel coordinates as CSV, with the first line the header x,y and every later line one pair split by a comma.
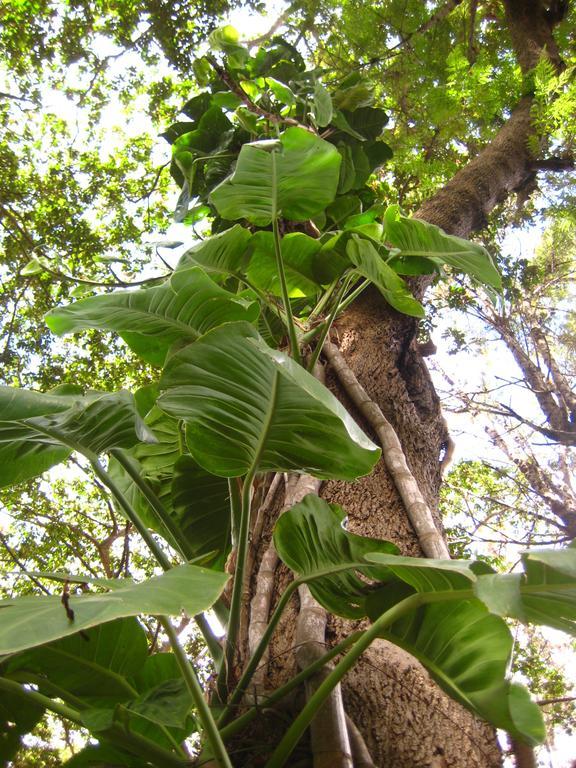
x,y
187,213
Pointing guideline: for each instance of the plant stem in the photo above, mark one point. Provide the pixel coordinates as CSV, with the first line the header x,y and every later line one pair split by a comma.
x,y
257,655
11,686
195,689
235,509
328,324
269,631
323,299
242,548
127,740
295,349
161,557
131,514
175,535
354,294
238,586
296,730
237,725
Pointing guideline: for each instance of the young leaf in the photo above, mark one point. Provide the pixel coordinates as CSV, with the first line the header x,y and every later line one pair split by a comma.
x,y
295,178
244,403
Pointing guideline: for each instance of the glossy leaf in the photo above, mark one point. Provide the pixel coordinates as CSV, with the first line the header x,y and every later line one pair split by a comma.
x,y
96,668
545,594
418,238
298,254
467,651
181,309
95,422
310,537
225,253
201,509
295,178
245,403
370,264
31,621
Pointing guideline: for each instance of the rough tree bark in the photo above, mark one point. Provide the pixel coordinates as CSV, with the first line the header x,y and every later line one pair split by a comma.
x,y
405,720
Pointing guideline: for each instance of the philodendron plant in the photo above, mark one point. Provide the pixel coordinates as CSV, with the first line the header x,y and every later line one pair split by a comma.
x,y
278,167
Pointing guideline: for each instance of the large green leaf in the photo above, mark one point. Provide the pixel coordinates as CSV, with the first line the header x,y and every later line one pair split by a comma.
x,y
310,538
246,404
153,319
419,238
201,507
95,667
467,650
95,422
295,177
102,754
108,666
298,255
31,621
197,501
370,264
224,253
544,594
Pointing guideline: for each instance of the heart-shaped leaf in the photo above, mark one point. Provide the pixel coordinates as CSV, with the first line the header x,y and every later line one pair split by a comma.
x,y
246,405
295,177
310,538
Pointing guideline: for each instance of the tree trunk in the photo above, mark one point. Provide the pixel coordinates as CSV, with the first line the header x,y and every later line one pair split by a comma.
x,y
404,718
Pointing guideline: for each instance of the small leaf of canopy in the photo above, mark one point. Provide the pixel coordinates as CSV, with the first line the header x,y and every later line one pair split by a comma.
x,y
244,403
310,537
298,256
95,422
370,264
419,238
223,254
295,178
179,310
30,621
